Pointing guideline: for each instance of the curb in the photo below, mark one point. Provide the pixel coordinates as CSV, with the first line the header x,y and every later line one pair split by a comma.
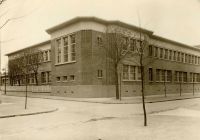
x,y
136,102
28,114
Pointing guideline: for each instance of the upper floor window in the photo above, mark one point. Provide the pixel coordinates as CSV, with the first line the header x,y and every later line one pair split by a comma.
x,y
99,41
161,52
150,50
66,49
132,44
58,50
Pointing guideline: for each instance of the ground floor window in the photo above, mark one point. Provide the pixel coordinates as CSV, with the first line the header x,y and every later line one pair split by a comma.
x,y
163,75
131,73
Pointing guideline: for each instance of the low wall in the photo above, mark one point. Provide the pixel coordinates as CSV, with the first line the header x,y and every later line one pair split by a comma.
x,y
96,91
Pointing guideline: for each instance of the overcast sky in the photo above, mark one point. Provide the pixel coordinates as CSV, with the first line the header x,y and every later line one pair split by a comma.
x,y
178,20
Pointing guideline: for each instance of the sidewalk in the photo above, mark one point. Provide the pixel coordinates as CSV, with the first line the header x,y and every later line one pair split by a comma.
x,y
124,100
14,109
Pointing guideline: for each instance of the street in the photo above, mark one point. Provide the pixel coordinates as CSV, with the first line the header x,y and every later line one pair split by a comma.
x,y
94,121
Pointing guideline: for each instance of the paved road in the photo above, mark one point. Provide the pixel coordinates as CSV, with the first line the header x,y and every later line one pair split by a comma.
x,y
81,120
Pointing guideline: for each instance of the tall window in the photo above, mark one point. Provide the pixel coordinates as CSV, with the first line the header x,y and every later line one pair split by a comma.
x,y
132,45
58,50
156,51
65,39
189,58
66,49
99,73
43,77
125,72
161,52
179,56
166,54
186,58
131,73
150,50
163,75
182,57
195,59
184,76
174,56
73,52
150,74
170,54
198,60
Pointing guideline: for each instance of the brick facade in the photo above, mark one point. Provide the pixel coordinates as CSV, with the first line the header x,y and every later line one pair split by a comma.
x,y
91,74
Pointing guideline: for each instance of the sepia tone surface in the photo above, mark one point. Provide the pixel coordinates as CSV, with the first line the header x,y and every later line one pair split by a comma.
x,y
99,69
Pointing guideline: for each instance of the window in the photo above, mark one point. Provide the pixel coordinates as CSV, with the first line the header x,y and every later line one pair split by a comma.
x,y
184,76
166,54
195,59
186,58
156,51
163,75
161,52
174,56
157,75
66,49
58,50
150,50
132,45
99,73
43,77
169,76
65,39
170,54
192,59
72,77
179,56
180,76
125,43
48,76
150,74
139,73
73,52
99,41
198,60
189,58
64,78
182,57
58,79
131,73
125,72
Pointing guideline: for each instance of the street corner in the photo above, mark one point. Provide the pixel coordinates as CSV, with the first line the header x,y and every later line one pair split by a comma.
x,y
8,110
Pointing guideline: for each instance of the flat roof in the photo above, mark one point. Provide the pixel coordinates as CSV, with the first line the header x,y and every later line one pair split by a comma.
x,y
32,46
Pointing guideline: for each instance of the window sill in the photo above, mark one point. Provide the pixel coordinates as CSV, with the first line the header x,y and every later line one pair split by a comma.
x,y
131,80
65,63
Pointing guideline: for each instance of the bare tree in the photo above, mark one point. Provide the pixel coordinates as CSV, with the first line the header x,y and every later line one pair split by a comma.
x,y
35,58
116,49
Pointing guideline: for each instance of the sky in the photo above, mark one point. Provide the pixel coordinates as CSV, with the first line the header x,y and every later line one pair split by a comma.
x,y
176,20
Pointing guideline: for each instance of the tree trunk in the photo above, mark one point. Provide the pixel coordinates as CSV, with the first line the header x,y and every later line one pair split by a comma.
x,y
26,92
180,89
116,83
165,89
193,88
143,102
36,79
